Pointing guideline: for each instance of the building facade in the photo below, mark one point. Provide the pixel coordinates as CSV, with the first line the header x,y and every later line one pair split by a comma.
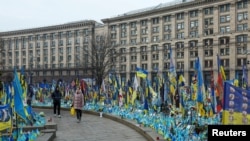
x,y
53,52
202,28
193,28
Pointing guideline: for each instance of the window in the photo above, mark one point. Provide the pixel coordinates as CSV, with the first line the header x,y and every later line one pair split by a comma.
x,y
134,32
242,16
193,43
225,18
167,36
133,41
133,58
77,41
193,54
144,31
155,29
224,29
180,35
38,45
193,13
144,66
208,31
155,38
180,26
123,34
167,46
155,20
155,66
86,32
123,67
208,63
30,45
194,33
45,44
224,8
113,27
143,48
155,56
166,56
123,26
194,23
224,62
77,33
133,24
179,45
123,42
133,49
208,21
167,18
242,4
242,27
242,38
123,50
154,48
209,11
60,35
180,16
143,22
167,27
144,39
60,42
144,57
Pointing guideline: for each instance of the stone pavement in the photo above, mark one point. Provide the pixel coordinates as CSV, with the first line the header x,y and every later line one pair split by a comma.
x,y
91,128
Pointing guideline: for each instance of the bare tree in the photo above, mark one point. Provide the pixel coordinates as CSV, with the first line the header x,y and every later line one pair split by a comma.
x,y
102,57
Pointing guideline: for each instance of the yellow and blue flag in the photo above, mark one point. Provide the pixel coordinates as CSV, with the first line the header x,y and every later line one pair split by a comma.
x,y
141,72
236,105
18,102
5,116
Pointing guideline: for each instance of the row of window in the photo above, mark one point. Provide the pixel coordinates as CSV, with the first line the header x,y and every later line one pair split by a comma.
x,y
194,13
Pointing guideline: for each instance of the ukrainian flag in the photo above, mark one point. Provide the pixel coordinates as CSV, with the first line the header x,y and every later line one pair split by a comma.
x,y
236,105
141,72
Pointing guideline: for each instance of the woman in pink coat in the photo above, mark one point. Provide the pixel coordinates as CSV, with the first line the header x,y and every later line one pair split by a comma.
x,y
78,102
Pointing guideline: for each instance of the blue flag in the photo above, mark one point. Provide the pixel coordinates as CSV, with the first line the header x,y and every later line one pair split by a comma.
x,y
18,103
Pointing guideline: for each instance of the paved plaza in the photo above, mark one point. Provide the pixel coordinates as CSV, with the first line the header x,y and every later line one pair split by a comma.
x,y
91,128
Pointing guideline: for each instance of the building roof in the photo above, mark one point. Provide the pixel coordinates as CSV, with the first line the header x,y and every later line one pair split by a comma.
x,y
159,6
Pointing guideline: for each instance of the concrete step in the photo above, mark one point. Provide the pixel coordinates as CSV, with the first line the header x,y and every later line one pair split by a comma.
x,y
50,125
46,137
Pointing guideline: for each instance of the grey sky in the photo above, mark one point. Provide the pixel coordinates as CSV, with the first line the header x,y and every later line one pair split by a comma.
x,y
24,14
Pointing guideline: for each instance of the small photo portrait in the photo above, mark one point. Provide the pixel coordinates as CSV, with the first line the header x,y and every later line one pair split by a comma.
x,y
231,118
244,93
245,99
244,113
231,103
231,96
231,111
232,90
244,106
244,120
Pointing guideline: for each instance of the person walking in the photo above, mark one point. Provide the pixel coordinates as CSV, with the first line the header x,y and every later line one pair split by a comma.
x,y
56,96
78,103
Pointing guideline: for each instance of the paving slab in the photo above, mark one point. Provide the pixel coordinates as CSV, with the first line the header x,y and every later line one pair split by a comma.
x,y
91,128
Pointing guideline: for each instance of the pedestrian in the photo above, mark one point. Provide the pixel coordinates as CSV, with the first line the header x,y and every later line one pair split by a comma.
x,y
30,94
78,103
56,96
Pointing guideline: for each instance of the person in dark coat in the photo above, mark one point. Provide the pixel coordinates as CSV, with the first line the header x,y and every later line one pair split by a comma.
x,y
30,94
56,96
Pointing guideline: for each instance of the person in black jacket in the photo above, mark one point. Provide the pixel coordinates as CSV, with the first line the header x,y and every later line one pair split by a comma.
x,y
56,96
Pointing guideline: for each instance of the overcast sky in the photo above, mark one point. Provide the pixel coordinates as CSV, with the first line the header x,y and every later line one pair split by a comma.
x,y
25,14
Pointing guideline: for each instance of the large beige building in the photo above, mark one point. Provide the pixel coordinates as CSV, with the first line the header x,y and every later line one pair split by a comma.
x,y
202,28
48,53
194,28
